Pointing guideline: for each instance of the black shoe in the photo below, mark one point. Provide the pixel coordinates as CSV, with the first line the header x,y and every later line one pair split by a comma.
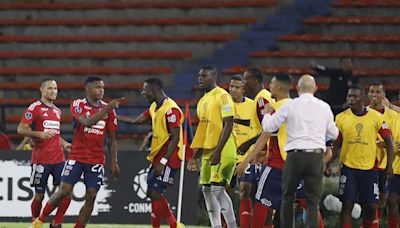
x,y
55,226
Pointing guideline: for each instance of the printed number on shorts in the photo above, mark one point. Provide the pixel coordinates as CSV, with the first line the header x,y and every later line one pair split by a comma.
x,y
98,169
247,170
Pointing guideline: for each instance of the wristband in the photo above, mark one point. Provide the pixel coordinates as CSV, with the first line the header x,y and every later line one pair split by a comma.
x,y
163,161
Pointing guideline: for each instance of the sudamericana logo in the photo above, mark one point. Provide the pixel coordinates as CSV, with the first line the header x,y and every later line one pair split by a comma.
x,y
140,184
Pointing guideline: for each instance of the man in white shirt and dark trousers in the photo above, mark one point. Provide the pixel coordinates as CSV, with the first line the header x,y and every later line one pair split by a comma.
x,y
309,121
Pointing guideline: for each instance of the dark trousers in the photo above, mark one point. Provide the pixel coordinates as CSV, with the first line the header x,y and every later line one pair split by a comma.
x,y
298,166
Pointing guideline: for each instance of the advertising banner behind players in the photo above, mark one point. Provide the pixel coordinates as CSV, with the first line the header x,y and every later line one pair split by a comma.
x,y
122,202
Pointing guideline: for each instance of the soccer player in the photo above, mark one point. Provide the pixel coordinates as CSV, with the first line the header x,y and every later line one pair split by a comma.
x,y
359,128
166,147
243,130
215,140
376,94
41,121
93,119
269,192
254,87
394,183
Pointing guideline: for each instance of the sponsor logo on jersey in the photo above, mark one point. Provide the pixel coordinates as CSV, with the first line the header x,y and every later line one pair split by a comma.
x,y
51,124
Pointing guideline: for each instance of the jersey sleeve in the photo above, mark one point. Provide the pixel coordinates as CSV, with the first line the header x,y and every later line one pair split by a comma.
x,y
227,106
261,102
28,117
146,114
384,131
173,117
76,109
112,124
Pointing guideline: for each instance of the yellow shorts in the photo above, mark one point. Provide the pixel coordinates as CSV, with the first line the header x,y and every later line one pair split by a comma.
x,y
220,173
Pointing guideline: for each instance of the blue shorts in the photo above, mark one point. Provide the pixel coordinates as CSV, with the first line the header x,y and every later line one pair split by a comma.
x,y
394,184
160,183
358,185
92,174
382,181
252,173
40,174
269,191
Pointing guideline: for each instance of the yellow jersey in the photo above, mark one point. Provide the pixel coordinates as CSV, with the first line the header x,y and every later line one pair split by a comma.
x,y
381,157
262,98
160,129
211,109
243,133
396,140
359,134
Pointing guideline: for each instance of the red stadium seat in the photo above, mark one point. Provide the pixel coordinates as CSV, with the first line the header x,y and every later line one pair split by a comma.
x,y
119,38
340,38
352,20
266,85
95,54
144,4
326,54
84,71
67,86
113,21
362,72
366,3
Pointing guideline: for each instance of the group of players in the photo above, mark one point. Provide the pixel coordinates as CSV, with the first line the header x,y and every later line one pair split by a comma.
x,y
229,137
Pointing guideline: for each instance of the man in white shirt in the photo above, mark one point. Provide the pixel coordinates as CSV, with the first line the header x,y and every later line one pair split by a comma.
x,y
309,121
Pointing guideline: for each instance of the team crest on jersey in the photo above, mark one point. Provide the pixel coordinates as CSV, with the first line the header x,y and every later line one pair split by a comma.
x,y
78,109
28,115
172,118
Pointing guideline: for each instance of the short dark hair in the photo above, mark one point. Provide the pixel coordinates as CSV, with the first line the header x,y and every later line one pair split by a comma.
x,y
155,82
357,87
211,68
44,80
283,77
377,84
92,78
237,77
256,73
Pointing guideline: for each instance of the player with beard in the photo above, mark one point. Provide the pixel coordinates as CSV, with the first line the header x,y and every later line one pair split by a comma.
x,y
41,121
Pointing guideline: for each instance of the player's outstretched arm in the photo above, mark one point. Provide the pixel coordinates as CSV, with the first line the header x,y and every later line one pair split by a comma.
x,y
130,120
335,154
112,147
255,151
25,130
242,149
387,104
92,120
